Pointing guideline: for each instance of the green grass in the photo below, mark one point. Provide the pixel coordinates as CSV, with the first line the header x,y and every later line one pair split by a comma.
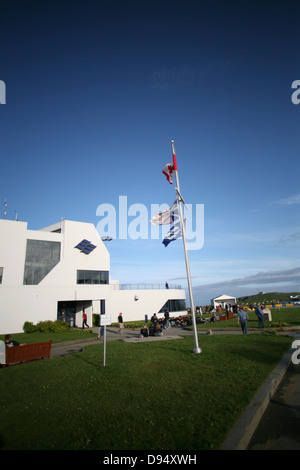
x,y
150,396
267,297
288,315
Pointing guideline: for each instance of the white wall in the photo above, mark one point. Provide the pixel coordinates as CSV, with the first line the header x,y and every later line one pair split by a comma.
x,y
20,303
65,272
149,302
12,251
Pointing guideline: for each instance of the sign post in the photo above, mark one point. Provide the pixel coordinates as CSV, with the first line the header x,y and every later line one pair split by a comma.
x,y
2,352
105,320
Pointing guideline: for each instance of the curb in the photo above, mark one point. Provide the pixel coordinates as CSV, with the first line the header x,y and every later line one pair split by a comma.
x,y
151,338
241,433
74,341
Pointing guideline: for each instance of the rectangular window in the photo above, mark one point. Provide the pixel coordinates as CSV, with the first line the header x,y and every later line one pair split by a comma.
x,y
92,277
174,305
1,275
41,257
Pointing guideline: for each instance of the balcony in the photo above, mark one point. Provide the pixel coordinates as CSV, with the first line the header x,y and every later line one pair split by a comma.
x,y
143,286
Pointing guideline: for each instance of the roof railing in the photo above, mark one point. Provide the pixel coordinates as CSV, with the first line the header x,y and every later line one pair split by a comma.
x,y
144,286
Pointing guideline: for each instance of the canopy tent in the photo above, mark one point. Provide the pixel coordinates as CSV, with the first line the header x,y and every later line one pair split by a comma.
x,y
223,300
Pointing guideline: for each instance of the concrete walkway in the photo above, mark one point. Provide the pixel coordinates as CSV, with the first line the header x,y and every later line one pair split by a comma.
x,y
272,419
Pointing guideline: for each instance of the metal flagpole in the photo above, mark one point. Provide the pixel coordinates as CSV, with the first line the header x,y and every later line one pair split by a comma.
x,y
197,349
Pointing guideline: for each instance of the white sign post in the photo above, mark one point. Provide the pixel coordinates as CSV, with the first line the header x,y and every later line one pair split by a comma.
x,y
105,320
2,352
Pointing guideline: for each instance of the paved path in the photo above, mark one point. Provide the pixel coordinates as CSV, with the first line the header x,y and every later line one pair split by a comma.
x,y
129,336
279,428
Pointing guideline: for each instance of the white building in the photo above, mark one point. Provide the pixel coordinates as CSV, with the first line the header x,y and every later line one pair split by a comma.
x,y
62,270
223,300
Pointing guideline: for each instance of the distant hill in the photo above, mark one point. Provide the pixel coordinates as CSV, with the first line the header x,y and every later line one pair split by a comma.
x,y
268,297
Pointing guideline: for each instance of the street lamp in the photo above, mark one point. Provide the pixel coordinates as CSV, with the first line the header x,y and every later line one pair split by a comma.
x,y
106,239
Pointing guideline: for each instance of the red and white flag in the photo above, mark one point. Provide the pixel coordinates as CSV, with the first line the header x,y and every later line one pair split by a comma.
x,y
169,172
166,217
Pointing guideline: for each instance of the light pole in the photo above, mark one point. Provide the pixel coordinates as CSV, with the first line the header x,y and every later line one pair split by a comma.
x,y
106,239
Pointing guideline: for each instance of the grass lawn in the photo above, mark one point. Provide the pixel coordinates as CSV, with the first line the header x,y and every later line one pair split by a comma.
x,y
288,315
150,396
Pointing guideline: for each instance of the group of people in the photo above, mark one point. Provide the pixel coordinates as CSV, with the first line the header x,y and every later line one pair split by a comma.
x,y
156,326
154,329
243,317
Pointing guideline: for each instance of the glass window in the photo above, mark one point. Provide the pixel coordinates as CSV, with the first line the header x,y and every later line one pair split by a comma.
x,y
41,257
96,277
80,277
92,277
174,305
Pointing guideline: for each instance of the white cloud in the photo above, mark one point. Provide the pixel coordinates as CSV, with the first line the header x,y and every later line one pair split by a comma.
x,y
288,201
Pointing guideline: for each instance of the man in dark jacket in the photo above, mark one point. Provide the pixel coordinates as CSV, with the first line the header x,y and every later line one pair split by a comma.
x,y
260,316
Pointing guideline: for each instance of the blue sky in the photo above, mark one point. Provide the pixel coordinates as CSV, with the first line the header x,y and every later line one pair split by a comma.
x,y
96,91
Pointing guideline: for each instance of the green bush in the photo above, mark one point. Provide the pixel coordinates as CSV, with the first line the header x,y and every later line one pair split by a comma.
x,y
44,326
29,327
59,326
48,326
96,320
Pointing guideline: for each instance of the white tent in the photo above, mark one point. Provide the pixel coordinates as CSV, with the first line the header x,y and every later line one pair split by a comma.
x,y
223,300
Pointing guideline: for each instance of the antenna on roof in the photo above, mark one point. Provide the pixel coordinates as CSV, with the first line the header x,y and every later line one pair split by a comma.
x,y
5,206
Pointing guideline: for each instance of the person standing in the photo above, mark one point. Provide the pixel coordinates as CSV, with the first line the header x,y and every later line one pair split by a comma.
x,y
84,320
244,319
260,316
167,316
154,319
121,323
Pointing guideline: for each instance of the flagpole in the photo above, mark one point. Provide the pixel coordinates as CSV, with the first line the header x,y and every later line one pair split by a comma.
x,y
197,349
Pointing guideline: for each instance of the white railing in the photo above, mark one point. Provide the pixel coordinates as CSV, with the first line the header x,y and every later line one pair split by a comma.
x,y
143,286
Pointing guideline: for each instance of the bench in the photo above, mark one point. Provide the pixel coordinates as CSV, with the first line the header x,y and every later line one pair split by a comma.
x,y
226,317
27,352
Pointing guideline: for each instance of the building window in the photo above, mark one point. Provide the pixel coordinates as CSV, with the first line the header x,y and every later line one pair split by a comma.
x,y
41,257
1,275
92,277
174,305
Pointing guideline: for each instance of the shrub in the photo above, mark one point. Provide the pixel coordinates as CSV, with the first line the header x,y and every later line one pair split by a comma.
x,y
29,327
44,326
48,326
59,326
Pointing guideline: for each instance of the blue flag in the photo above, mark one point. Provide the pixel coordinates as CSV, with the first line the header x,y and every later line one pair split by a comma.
x,y
173,234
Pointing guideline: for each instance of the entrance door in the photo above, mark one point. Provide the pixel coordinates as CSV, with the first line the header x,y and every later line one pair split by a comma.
x,y
66,311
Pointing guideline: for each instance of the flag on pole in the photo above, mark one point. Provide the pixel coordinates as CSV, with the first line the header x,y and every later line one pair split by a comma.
x,y
173,234
169,172
167,216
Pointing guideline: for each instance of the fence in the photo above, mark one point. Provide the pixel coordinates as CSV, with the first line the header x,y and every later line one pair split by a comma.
x,y
144,286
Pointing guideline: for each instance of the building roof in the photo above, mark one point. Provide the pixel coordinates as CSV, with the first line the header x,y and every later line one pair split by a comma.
x,y
224,297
